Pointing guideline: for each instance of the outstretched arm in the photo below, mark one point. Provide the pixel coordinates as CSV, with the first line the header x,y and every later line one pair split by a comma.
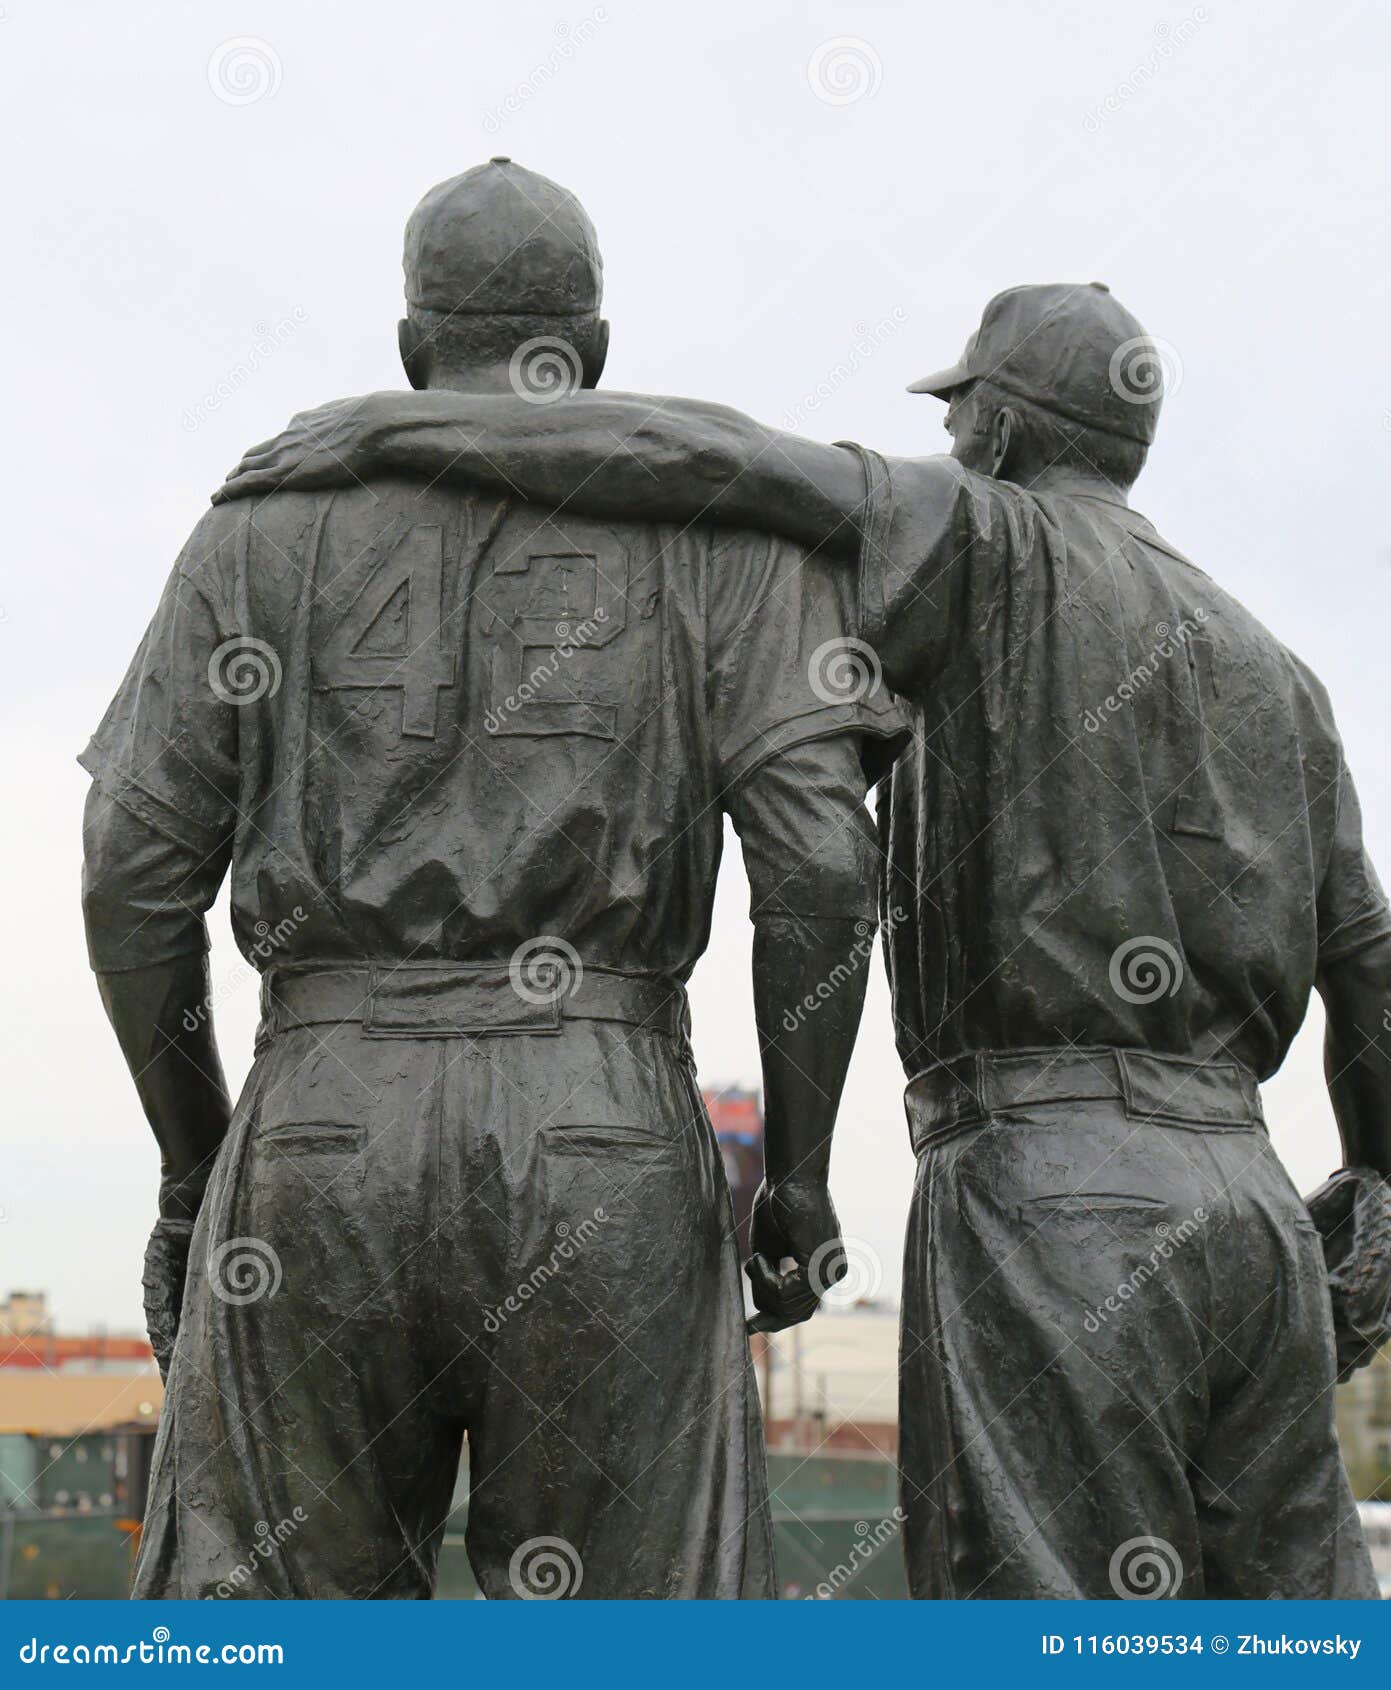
x,y
597,454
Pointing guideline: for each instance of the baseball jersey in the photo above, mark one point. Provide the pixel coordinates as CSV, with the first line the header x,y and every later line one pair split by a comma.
x,y
1126,818
422,724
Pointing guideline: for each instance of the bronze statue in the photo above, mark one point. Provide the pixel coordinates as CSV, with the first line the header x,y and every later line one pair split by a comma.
x,y
1131,847
467,761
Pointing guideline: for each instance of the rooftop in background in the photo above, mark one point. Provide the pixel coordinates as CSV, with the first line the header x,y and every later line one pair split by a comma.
x,y
64,1405
833,1383
27,1340
735,1113
22,1313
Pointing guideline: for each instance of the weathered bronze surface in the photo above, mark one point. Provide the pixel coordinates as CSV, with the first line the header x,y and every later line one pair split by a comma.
x,y
467,762
1130,848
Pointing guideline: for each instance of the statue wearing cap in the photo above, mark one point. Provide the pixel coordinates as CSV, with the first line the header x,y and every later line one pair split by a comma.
x,y
489,748
1128,848
499,259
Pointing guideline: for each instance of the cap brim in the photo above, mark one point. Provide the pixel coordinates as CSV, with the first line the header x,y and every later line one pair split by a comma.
x,y
944,383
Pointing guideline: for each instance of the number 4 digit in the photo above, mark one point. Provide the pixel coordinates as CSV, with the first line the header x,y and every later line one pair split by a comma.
x,y
392,634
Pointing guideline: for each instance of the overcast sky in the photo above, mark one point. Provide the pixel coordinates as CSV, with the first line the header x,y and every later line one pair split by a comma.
x,y
801,208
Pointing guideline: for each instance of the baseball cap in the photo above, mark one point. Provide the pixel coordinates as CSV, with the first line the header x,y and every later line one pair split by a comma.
x,y
500,238
1070,347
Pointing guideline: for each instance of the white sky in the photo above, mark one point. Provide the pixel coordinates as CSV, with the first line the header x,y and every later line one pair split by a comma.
x,y
1233,190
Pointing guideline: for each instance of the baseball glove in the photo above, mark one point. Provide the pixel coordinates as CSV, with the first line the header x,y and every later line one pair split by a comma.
x,y
166,1268
1352,1210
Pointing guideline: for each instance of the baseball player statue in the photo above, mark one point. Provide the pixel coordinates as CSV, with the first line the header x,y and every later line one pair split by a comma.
x,y
467,762
1131,848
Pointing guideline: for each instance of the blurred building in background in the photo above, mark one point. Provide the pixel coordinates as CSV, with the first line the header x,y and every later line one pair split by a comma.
x,y
737,1117
1364,1428
78,1414
23,1313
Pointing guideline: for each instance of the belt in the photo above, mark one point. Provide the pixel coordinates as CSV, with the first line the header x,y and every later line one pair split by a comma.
x,y
428,1000
963,1091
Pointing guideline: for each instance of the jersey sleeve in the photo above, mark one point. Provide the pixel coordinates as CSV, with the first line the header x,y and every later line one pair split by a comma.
x,y
167,747
809,844
940,552
1352,907
787,665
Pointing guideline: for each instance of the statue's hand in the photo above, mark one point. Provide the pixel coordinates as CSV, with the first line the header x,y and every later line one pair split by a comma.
x,y
1352,1211
333,446
166,1269
793,1217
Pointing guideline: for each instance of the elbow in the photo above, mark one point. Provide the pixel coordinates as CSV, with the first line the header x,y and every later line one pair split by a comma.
x,y
836,883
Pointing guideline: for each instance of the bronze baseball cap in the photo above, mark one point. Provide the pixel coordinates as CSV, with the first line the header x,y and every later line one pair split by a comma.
x,y
1070,347
500,238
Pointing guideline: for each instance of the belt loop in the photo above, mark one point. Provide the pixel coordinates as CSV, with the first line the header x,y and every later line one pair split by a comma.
x,y
1125,1083
979,1072
269,1027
